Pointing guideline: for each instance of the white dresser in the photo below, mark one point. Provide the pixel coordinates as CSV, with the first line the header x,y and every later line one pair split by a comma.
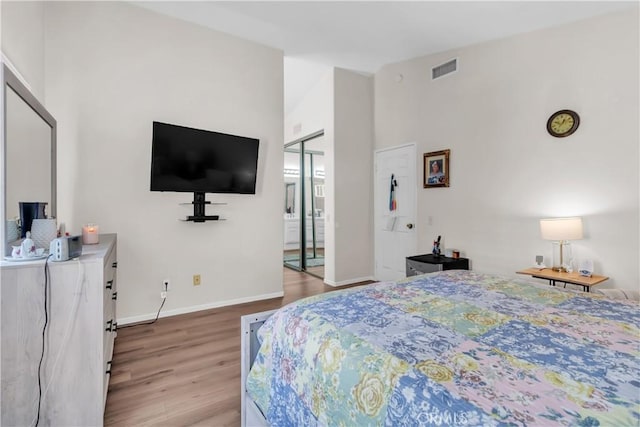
x,y
80,334
292,233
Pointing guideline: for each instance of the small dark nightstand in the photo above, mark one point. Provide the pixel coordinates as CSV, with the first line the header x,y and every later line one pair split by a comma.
x,y
421,264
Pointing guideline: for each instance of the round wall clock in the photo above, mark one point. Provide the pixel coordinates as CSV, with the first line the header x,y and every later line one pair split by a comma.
x,y
563,123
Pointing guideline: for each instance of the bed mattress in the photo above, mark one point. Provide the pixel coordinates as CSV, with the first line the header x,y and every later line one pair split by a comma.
x,y
450,348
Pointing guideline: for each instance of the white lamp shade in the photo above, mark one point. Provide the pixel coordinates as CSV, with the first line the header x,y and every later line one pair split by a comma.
x,y
561,228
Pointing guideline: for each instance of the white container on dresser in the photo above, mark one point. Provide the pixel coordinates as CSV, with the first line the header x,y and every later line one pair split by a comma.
x,y
79,339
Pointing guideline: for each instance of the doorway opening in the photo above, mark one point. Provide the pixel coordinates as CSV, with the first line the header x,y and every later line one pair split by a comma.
x,y
304,207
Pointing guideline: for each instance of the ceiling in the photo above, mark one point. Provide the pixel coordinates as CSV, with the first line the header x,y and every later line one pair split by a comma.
x,y
365,35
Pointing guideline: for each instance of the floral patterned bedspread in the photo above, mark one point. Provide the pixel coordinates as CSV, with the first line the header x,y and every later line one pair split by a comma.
x,y
450,348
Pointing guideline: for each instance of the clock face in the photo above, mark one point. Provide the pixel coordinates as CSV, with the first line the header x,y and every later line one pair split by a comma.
x,y
563,123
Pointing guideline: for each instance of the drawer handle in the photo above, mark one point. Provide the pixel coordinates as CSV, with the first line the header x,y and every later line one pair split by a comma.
x,y
114,296
115,264
109,326
109,284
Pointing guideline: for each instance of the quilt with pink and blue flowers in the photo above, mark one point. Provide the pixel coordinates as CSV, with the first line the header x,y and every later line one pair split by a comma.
x,y
450,348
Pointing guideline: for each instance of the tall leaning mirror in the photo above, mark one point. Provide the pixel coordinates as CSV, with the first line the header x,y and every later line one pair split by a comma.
x,y
28,155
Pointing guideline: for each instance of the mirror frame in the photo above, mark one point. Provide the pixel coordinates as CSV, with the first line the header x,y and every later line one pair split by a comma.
x,y
11,81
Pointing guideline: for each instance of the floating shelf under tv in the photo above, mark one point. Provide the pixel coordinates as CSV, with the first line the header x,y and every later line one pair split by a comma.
x,y
199,204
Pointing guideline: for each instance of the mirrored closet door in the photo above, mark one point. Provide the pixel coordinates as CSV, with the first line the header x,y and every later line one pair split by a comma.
x,y
304,211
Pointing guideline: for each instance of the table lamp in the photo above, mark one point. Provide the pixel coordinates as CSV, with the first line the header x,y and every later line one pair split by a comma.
x,y
561,230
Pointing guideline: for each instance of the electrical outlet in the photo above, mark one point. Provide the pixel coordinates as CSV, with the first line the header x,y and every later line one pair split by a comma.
x,y
196,280
166,283
163,294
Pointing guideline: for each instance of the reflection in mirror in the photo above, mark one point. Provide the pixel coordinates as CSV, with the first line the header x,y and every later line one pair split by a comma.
x,y
29,158
290,198
29,154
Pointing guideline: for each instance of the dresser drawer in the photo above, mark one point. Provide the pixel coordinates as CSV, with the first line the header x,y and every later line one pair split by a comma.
x,y
422,264
415,268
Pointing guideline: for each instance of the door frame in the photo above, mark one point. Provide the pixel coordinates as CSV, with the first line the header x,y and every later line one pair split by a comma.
x,y
376,201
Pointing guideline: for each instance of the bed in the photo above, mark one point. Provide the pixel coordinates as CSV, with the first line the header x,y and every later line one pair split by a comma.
x,y
448,348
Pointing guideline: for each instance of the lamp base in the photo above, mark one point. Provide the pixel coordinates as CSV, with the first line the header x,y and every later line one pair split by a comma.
x,y
561,256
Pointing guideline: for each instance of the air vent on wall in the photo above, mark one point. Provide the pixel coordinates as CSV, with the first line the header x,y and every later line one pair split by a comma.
x,y
446,68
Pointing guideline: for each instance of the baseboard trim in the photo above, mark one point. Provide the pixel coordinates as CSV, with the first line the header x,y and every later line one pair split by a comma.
x,y
348,282
193,308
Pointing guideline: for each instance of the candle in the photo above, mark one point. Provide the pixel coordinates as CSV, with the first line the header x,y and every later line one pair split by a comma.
x,y
90,234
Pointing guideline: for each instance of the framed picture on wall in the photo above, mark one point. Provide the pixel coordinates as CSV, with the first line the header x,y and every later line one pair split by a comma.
x,y
436,169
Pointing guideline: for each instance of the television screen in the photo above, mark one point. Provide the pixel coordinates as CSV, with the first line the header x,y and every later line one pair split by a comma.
x,y
200,161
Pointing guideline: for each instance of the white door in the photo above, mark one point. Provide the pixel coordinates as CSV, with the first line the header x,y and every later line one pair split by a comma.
x,y
395,230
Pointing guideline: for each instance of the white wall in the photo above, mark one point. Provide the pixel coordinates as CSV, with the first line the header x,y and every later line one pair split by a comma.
x,y
507,172
112,69
353,176
23,41
313,113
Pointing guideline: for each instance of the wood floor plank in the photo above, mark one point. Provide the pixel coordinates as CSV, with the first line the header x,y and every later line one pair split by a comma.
x,y
185,370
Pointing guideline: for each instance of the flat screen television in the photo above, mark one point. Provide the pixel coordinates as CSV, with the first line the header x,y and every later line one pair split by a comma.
x,y
199,161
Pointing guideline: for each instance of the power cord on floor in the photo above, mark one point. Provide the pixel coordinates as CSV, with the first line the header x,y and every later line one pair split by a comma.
x,y
154,320
44,330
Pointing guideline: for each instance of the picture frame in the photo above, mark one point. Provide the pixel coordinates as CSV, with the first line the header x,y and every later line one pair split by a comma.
x,y
436,169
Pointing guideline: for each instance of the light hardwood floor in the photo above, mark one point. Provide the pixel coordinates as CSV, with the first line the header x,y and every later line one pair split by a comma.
x,y
185,370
